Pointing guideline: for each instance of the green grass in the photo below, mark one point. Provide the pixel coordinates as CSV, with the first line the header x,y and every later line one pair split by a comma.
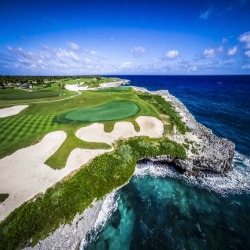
x,y
37,120
91,82
166,108
3,197
59,159
110,111
34,220
17,94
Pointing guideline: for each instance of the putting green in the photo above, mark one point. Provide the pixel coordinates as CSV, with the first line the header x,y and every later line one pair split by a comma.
x,y
111,111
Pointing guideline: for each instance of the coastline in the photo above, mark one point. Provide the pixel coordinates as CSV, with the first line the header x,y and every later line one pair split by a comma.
x,y
105,85
221,150
206,152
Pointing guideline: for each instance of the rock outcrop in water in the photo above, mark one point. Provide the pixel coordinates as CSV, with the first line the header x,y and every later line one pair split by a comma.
x,y
206,152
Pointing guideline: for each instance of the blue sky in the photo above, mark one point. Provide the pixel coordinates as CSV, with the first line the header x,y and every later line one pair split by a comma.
x,y
47,37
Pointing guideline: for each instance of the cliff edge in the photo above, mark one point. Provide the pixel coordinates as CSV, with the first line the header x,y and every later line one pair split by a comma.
x,y
206,152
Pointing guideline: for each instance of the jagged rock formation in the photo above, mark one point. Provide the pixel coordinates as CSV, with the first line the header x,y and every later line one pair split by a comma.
x,y
206,152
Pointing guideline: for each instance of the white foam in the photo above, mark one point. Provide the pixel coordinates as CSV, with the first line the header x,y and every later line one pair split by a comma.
x,y
235,182
109,205
242,159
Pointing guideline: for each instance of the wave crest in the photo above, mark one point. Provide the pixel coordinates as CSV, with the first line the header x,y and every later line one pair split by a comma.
x,y
109,205
236,181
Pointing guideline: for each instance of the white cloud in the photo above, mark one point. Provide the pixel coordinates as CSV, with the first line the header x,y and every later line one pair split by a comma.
x,y
91,52
247,66
245,38
172,54
137,51
232,51
206,14
247,53
127,65
209,53
73,45
65,54
51,60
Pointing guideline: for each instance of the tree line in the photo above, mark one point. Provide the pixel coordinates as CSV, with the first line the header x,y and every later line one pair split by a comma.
x,y
7,79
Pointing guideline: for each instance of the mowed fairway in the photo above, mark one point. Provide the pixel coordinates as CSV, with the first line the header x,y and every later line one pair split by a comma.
x,y
111,111
37,120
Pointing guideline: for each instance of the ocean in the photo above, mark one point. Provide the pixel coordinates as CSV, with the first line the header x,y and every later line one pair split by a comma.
x,y
161,209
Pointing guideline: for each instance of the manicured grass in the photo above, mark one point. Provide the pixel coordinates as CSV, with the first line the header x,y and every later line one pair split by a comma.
x,y
59,159
37,120
17,94
34,220
110,111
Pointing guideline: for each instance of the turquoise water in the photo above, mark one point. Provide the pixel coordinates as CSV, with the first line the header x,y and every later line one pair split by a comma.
x,y
160,209
171,213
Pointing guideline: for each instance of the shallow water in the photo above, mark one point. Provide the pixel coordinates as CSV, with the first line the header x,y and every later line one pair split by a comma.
x,y
160,209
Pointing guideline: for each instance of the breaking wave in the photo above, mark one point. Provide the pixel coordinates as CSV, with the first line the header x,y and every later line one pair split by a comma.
x,y
109,205
236,181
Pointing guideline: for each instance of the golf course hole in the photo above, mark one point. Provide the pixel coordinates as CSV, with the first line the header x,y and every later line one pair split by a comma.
x,y
116,110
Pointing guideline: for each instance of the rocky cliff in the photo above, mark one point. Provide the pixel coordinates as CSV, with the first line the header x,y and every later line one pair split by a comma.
x,y
206,152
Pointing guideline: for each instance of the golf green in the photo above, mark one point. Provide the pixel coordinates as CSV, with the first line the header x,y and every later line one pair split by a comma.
x,y
116,110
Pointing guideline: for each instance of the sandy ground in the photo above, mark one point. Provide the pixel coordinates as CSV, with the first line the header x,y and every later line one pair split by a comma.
x,y
23,174
12,110
74,87
149,126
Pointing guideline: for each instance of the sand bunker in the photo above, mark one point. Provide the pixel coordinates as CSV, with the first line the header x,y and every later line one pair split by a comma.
x,y
149,126
12,110
24,174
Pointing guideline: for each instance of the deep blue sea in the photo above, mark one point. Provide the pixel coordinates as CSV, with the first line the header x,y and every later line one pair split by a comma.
x,y
160,209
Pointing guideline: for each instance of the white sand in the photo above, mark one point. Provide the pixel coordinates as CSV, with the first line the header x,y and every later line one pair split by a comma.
x,y
12,110
149,126
23,174
74,87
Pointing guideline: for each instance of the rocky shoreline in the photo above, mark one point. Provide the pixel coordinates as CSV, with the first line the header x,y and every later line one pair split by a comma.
x,y
206,154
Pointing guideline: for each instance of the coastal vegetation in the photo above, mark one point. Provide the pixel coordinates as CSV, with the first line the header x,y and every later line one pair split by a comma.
x,y
166,108
35,219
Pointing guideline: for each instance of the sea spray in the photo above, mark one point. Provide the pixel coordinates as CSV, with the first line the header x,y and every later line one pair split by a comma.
x,y
236,181
109,205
